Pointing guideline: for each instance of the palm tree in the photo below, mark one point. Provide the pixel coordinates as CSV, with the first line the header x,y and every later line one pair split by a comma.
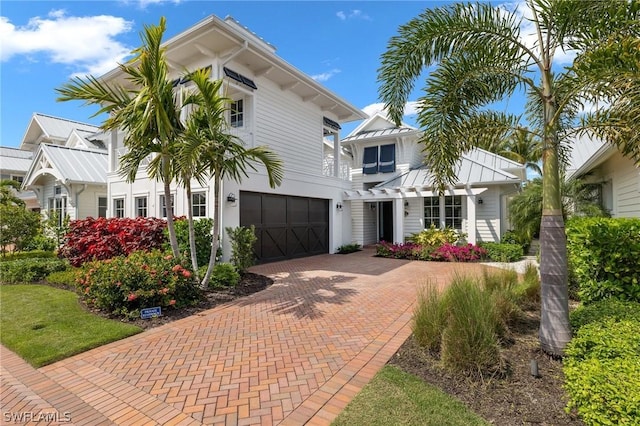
x,y
480,57
212,152
146,110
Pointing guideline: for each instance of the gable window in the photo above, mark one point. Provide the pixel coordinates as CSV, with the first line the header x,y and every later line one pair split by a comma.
x,y
370,160
237,113
141,206
387,158
118,207
102,206
163,207
443,211
199,204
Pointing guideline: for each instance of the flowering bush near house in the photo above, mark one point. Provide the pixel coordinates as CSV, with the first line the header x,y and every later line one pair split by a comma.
x,y
124,285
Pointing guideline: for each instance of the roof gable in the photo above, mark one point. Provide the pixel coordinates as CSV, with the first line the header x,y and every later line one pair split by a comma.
x,y
49,129
69,165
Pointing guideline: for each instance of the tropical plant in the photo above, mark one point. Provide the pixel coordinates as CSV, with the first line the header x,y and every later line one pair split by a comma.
x,y
146,109
242,242
18,227
8,193
480,56
220,154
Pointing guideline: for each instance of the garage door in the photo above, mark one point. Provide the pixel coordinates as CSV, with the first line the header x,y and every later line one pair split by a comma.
x,y
286,226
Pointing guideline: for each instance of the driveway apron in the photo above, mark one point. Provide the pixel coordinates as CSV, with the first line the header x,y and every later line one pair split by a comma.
x,y
295,353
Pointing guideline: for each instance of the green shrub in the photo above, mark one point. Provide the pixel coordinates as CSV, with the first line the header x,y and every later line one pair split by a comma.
x,y
603,257
605,309
34,254
503,252
529,289
348,248
225,275
19,226
42,242
123,285
203,229
242,241
66,278
435,237
469,339
503,287
602,371
514,237
30,270
429,317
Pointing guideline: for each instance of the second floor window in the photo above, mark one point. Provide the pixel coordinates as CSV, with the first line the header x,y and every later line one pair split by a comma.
x,y
237,113
380,159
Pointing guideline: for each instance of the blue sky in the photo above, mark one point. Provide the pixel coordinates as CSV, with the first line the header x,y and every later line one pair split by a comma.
x,y
44,43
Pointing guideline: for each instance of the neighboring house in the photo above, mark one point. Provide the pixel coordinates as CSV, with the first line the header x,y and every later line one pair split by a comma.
x,y
68,172
615,177
276,105
14,164
392,197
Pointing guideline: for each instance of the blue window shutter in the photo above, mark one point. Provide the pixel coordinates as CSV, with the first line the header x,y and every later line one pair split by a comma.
x,y
370,162
387,158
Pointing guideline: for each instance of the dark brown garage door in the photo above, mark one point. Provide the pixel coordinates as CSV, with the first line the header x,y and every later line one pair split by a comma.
x,y
286,227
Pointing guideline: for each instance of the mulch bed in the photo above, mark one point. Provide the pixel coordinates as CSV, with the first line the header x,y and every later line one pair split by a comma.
x,y
517,398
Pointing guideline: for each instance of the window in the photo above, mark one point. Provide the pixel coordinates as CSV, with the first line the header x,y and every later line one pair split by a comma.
x,y
102,206
18,179
370,161
57,190
385,163
237,113
446,209
163,207
141,206
387,158
453,211
199,204
118,207
432,212
58,209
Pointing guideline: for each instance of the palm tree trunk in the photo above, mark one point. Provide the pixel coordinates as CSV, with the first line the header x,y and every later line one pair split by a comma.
x,y
192,232
173,240
555,331
216,230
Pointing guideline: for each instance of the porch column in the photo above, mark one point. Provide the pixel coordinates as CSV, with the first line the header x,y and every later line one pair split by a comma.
x,y
471,218
336,155
398,220
111,150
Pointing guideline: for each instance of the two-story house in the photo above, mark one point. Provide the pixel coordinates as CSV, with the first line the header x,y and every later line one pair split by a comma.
x,y
276,105
68,170
14,164
392,197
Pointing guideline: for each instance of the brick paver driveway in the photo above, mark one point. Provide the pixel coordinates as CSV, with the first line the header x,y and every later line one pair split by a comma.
x,y
295,353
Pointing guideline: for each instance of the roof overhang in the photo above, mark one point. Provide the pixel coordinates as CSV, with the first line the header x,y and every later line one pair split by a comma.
x,y
381,194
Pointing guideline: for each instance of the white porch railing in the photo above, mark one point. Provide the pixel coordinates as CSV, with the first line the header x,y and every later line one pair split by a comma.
x,y
344,172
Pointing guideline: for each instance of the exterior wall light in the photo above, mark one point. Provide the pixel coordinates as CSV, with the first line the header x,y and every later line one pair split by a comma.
x,y
231,197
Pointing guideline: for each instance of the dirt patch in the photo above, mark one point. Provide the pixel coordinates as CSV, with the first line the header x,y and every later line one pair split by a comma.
x,y
249,284
519,398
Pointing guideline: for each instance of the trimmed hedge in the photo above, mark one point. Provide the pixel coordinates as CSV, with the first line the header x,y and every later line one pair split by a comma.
x,y
30,270
33,254
603,257
602,370
604,309
503,252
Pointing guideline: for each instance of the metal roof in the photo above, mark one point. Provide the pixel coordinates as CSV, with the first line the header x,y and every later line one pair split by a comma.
x,y
15,160
586,152
379,133
61,128
469,171
74,165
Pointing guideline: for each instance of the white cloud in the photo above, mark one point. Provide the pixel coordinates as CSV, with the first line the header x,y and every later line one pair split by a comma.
x,y
87,44
410,108
352,14
142,4
325,75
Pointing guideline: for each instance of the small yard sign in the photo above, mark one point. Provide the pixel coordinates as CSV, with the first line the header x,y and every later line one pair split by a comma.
x,y
147,313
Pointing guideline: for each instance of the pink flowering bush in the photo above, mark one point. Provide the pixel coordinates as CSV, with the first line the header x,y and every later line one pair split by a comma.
x,y
452,253
446,252
124,285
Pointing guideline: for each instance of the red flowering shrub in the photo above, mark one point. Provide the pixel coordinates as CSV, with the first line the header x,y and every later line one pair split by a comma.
x,y
124,285
100,239
452,253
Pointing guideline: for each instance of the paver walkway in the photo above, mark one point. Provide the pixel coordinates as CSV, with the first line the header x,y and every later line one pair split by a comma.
x,y
293,354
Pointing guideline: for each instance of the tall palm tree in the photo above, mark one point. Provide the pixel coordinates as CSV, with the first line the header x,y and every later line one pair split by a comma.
x,y
215,153
146,109
480,57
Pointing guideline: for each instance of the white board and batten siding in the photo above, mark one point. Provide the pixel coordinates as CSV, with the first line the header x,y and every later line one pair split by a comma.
x,y
625,184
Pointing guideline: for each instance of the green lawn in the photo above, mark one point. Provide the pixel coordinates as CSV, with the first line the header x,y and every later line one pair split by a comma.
x,y
394,397
43,324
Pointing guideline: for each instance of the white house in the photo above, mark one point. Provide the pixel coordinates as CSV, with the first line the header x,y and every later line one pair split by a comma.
x,y
14,164
392,197
68,171
276,105
615,177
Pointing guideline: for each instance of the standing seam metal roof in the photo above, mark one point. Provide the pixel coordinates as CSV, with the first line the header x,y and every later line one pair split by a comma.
x,y
78,165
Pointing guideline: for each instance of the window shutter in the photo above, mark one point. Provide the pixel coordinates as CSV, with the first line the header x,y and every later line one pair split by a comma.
x,y
370,162
387,158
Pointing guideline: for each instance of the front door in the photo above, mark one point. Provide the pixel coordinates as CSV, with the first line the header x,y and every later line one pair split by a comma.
x,y
385,221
